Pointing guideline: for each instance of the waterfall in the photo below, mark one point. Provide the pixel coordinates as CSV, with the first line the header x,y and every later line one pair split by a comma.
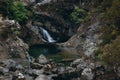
x,y
46,35
43,2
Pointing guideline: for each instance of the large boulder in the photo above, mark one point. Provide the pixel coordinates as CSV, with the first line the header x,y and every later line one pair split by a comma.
x,y
87,73
42,59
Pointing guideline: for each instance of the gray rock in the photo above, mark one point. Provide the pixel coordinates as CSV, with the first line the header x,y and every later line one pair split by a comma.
x,y
10,63
6,77
70,69
27,77
17,48
36,66
37,72
10,22
81,66
61,70
78,61
43,77
19,67
42,59
87,72
4,70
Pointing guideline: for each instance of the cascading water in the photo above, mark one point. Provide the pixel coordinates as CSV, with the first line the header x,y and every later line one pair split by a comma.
x,y
46,35
43,2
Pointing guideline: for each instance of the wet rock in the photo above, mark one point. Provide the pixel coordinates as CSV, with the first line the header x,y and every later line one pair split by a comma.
x,y
42,59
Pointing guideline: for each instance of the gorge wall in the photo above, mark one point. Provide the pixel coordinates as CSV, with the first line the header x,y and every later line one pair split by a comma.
x,y
55,17
50,27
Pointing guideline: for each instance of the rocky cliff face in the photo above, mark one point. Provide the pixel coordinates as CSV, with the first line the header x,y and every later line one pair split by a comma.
x,y
54,16
11,46
85,41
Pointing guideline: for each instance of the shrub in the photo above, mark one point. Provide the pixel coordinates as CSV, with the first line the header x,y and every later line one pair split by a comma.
x,y
79,15
14,10
111,52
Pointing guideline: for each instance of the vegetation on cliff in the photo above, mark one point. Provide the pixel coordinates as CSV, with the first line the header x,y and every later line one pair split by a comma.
x,y
109,49
108,10
14,10
109,14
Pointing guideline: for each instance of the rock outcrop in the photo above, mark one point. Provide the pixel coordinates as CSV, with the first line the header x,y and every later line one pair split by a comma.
x,y
11,45
17,48
85,41
42,59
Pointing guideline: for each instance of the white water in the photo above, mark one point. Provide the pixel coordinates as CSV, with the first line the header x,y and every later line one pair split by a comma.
x,y
46,35
44,2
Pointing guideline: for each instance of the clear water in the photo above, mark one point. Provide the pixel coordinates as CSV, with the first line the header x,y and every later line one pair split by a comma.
x,y
51,52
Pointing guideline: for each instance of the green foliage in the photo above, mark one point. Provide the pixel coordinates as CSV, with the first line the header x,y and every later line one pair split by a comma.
x,y
79,15
15,10
112,14
111,52
110,18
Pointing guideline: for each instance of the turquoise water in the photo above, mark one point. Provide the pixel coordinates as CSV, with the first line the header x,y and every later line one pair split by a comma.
x,y
51,52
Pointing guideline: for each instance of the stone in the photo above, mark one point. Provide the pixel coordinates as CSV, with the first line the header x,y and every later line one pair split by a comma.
x,y
21,76
78,61
28,77
3,70
17,48
43,77
10,63
10,22
38,72
87,72
42,59
20,67
70,69
81,66
36,66
3,52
